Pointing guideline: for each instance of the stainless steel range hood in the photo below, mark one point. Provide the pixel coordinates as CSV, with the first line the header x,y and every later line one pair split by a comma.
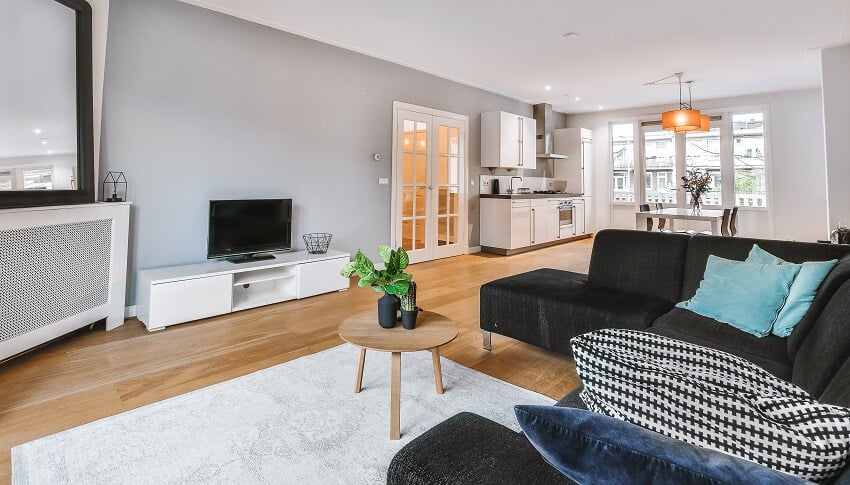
x,y
545,126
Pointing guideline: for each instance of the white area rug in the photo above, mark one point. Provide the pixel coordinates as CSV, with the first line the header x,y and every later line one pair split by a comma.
x,y
298,422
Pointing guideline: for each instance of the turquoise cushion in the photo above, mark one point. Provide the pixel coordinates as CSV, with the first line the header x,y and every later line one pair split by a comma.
x,y
802,292
747,296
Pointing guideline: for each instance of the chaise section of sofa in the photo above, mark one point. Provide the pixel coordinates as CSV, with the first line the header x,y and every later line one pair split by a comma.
x,y
635,277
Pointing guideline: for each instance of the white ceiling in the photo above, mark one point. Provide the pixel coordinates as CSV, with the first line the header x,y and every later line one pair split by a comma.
x,y
728,47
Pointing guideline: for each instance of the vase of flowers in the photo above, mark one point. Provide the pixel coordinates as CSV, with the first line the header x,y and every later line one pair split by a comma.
x,y
696,183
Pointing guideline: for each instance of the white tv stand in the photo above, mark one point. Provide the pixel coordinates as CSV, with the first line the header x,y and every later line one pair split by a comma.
x,y
178,294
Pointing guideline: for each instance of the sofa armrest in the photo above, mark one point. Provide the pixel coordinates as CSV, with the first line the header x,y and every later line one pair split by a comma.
x,y
470,449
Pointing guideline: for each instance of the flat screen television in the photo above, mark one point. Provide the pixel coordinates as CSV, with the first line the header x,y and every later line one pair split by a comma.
x,y
241,230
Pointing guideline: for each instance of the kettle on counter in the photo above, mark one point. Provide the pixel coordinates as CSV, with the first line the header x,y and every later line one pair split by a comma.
x,y
494,186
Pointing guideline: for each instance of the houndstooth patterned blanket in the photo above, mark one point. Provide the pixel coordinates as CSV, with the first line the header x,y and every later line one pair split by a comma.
x,y
711,399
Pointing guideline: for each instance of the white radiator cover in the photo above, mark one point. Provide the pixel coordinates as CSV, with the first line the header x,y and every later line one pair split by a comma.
x,y
61,268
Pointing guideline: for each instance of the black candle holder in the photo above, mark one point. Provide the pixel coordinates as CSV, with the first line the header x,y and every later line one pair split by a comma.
x,y
114,187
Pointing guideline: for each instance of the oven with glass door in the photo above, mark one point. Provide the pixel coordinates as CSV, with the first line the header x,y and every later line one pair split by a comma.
x,y
566,219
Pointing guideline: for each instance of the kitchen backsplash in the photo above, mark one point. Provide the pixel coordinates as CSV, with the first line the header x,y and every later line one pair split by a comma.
x,y
532,183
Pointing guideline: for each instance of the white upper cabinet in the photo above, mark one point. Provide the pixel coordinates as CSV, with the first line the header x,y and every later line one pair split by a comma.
x,y
508,140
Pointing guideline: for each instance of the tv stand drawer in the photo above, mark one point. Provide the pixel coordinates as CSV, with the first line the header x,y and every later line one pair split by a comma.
x,y
317,277
192,299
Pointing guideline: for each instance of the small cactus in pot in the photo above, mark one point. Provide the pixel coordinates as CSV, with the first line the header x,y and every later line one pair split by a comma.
x,y
409,310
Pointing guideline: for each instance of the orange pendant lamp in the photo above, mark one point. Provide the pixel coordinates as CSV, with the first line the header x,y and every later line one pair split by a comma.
x,y
685,118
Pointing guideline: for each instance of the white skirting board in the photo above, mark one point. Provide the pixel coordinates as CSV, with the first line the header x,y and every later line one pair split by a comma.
x,y
473,250
65,267
130,311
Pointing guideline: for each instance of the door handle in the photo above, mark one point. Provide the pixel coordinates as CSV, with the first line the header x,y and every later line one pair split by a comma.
x,y
533,223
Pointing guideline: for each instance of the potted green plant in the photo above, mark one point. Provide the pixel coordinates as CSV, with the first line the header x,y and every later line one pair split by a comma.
x,y
392,280
409,310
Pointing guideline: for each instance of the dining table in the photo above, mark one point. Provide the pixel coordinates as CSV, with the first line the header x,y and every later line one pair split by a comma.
x,y
712,216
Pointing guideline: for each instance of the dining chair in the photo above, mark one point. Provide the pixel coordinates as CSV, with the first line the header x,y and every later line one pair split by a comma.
x,y
661,220
733,221
724,224
645,208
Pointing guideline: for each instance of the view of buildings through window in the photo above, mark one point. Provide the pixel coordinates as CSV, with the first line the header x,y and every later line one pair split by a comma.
x,y
702,152
26,178
661,177
623,162
659,149
749,163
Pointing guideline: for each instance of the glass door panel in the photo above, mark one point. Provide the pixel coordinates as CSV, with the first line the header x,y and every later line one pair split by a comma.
x,y
448,177
414,204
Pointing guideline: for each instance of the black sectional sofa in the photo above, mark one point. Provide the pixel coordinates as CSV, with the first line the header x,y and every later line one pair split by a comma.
x,y
635,279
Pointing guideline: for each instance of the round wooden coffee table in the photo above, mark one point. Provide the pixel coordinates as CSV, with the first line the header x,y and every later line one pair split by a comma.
x,y
432,330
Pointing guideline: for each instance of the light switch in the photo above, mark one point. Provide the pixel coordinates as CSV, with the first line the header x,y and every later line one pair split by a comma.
x,y
383,181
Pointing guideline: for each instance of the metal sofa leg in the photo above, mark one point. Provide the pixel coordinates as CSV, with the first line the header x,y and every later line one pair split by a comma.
x,y
487,342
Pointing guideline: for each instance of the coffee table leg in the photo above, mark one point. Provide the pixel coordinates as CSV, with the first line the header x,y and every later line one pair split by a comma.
x,y
438,373
358,384
395,397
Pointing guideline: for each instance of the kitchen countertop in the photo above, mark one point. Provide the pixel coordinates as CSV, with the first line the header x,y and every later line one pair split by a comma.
x,y
529,196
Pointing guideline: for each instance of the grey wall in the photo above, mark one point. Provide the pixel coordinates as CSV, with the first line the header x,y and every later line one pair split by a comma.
x,y
835,65
200,106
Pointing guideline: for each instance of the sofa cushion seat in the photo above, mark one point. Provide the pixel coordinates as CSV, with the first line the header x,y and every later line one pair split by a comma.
x,y
769,352
548,307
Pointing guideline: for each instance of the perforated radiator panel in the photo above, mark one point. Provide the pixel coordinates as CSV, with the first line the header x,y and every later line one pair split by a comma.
x,y
50,273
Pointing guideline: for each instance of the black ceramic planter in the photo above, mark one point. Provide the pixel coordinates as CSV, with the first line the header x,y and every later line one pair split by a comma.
x,y
408,319
387,310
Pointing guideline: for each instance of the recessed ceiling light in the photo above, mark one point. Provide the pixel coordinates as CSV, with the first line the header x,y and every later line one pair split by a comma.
x,y
547,87
37,131
601,107
578,99
571,35
44,141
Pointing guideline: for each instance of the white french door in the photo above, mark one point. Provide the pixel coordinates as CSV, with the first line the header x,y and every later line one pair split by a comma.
x,y
429,180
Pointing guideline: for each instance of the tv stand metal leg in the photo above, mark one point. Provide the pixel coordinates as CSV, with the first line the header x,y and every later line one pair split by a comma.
x,y
488,345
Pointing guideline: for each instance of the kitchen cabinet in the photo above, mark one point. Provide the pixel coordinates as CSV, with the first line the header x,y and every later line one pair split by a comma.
x,y
577,169
539,222
553,220
520,224
510,225
508,140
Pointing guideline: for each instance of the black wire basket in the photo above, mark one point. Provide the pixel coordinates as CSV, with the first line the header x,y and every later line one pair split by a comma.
x,y
317,242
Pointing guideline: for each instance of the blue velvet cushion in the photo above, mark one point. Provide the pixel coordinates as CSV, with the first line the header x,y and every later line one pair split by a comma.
x,y
802,292
592,448
747,296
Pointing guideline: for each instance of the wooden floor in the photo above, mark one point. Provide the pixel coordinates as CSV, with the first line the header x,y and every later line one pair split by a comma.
x,y
97,374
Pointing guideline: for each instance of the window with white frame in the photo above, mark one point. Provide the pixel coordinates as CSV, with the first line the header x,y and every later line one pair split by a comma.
x,y
702,152
749,160
660,163
623,162
735,147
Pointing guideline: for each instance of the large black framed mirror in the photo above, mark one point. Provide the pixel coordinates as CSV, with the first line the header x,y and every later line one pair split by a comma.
x,y
46,116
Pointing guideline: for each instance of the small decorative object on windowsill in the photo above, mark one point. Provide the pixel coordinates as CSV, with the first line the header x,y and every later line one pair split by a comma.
x,y
392,280
114,187
317,242
409,310
696,183
840,235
